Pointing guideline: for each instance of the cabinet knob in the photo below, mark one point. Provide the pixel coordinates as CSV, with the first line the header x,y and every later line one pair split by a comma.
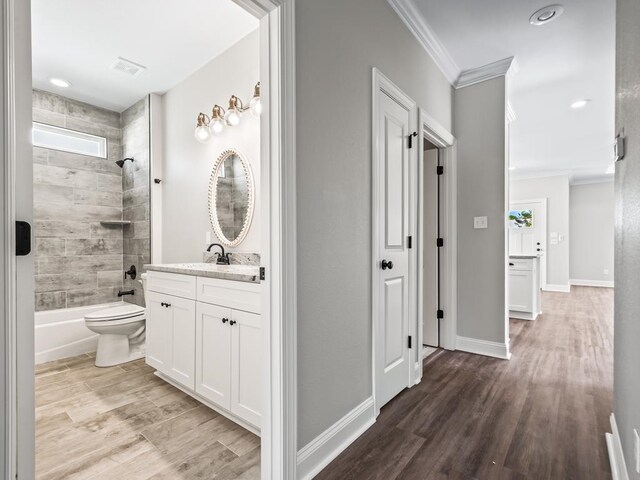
x,y
225,320
232,322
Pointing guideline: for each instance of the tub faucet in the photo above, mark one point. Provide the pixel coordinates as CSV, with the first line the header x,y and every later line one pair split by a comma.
x,y
221,258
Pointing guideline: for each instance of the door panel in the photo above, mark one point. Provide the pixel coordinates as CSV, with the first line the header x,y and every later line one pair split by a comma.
x,y
532,240
183,338
393,362
213,354
246,367
158,333
430,322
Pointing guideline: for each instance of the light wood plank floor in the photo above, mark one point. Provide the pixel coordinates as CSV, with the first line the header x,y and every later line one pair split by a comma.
x,y
541,415
124,423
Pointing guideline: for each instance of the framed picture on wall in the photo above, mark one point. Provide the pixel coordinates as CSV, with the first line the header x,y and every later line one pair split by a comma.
x,y
520,218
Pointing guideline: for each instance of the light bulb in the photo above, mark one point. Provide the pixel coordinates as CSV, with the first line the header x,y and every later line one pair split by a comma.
x,y
217,126
202,133
255,106
232,117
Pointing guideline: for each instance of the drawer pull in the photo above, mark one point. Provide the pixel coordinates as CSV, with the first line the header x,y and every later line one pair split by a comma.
x,y
232,322
512,264
225,320
164,304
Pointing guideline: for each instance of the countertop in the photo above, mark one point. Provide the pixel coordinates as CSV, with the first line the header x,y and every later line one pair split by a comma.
x,y
238,273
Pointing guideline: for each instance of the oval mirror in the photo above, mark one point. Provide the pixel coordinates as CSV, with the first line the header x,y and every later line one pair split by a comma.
x,y
231,198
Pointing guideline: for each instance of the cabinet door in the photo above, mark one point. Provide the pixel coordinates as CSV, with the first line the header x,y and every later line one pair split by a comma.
x,y
520,291
183,339
213,354
246,367
158,333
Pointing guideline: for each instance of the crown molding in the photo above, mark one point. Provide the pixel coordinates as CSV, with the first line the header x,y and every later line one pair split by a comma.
x,y
415,22
501,68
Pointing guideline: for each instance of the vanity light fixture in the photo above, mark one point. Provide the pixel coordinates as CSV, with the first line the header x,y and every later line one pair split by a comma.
x,y
229,118
203,132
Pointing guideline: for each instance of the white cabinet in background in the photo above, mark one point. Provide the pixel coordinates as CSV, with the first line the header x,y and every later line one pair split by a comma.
x,y
170,336
524,288
209,342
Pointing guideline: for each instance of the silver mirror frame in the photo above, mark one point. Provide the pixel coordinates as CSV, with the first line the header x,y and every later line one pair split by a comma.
x,y
213,212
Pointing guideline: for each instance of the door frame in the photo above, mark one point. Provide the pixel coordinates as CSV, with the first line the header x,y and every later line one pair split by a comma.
x,y
279,443
543,261
382,84
439,136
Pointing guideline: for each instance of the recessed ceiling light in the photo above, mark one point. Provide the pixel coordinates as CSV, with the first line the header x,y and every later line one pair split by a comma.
x,y
546,14
59,82
580,103
512,168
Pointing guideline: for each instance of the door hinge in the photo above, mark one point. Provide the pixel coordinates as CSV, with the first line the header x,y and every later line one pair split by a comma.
x,y
440,169
440,314
409,342
411,135
409,241
263,273
440,242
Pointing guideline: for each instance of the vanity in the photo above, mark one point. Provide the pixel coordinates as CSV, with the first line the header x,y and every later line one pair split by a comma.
x,y
524,287
203,323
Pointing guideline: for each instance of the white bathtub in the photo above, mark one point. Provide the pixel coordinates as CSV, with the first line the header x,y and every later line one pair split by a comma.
x,y
62,333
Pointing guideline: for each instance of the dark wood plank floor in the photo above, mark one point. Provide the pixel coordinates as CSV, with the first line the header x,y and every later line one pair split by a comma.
x,y
541,415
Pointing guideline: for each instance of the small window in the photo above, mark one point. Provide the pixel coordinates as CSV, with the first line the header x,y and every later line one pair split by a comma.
x,y
56,138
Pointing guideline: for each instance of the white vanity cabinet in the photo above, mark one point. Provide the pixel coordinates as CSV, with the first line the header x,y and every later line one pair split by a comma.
x,y
524,287
208,340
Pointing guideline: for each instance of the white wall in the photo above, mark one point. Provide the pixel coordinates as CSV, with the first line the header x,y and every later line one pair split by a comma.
x,y
556,191
591,210
480,128
187,164
336,48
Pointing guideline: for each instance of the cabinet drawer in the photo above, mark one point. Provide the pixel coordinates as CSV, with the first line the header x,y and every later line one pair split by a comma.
x,y
172,284
228,293
525,264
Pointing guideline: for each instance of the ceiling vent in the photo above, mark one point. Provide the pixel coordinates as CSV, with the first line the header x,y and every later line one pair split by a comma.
x,y
127,66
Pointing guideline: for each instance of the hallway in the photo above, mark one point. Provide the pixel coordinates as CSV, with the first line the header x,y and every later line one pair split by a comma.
x,y
541,415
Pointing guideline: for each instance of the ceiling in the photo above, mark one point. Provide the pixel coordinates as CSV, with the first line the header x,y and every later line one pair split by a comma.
x,y
79,40
570,58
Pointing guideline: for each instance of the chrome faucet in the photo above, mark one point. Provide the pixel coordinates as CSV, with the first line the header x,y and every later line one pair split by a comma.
x,y
221,258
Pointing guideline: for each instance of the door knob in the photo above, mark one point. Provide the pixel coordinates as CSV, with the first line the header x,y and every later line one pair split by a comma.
x,y
387,264
232,322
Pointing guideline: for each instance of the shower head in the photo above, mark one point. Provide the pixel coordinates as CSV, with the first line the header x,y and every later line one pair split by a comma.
x,y
120,163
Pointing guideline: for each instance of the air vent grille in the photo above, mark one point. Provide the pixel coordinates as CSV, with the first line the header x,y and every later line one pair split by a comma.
x,y
128,67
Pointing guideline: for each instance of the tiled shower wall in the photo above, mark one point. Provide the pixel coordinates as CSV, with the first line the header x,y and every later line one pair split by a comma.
x,y
78,260
135,187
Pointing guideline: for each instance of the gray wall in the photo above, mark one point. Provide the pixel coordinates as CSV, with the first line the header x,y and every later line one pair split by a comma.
x,y
479,126
135,190
627,243
556,191
335,57
591,212
78,260
187,164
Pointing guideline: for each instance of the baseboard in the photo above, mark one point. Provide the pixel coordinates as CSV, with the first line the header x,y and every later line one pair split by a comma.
x,y
483,347
318,453
557,288
616,455
591,283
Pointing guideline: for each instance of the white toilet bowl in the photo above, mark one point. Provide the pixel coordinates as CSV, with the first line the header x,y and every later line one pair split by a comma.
x,y
121,333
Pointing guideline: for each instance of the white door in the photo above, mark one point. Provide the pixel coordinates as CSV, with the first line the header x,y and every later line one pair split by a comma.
x,y
393,362
183,340
213,353
246,366
430,320
529,237
158,332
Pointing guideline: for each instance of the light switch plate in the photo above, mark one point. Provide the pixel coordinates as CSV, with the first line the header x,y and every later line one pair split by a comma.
x,y
480,222
636,444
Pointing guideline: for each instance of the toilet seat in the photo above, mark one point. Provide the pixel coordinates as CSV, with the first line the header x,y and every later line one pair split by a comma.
x,y
120,314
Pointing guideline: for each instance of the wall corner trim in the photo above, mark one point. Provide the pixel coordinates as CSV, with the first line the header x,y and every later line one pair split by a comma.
x,y
318,453
416,23
558,288
501,68
591,283
616,454
483,347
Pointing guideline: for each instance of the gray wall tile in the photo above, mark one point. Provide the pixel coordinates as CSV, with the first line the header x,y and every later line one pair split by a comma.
x,y
61,229
50,301
93,197
93,246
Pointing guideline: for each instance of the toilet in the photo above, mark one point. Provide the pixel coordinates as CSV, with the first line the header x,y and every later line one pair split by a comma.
x,y
121,331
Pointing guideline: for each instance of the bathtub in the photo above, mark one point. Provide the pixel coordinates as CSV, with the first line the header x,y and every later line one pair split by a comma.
x,y
62,333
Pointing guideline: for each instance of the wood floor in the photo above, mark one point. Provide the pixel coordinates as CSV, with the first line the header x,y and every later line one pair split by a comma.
x,y
124,423
541,415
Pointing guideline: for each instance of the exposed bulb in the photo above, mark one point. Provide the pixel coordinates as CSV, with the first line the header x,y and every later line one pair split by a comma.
x,y
255,106
217,126
202,133
232,117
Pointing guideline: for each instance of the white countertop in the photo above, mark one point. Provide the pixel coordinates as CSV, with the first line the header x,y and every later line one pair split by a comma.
x,y
239,273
